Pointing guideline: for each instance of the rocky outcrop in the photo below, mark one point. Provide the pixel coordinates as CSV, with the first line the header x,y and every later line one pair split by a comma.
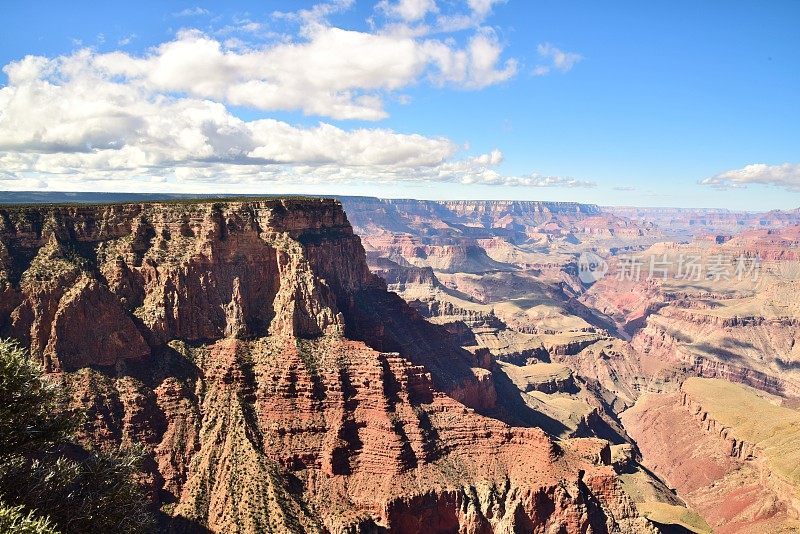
x,y
733,458
274,382
200,272
571,347
736,448
728,348
423,229
399,276
695,222
543,377
196,272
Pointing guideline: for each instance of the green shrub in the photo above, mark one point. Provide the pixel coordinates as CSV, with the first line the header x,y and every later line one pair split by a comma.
x,y
43,469
13,519
31,416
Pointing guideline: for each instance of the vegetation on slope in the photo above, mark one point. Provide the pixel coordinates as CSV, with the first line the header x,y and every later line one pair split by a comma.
x,y
48,482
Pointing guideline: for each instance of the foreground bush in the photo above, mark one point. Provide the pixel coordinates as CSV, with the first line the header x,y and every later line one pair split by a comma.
x,y
15,519
44,471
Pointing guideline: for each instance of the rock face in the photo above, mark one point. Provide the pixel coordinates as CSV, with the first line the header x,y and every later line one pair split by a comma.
x,y
740,327
275,383
502,278
194,272
738,472
457,223
694,222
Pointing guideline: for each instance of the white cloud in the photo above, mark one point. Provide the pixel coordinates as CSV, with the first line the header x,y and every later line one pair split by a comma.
x,y
541,70
128,39
241,26
93,122
163,116
474,67
786,175
479,10
91,129
484,55
482,8
482,170
539,180
408,10
556,59
337,73
317,14
192,12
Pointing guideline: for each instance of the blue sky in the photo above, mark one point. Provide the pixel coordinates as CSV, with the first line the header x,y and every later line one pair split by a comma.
x,y
624,103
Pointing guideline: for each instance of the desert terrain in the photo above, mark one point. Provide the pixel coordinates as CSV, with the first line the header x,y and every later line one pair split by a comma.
x,y
368,365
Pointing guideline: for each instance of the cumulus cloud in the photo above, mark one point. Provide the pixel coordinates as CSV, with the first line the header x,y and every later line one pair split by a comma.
x,y
93,122
336,73
482,170
192,12
555,58
316,14
408,10
474,67
478,11
128,39
165,115
482,8
786,175
87,127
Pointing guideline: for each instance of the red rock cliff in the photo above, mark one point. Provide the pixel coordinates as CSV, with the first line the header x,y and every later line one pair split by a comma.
x,y
275,383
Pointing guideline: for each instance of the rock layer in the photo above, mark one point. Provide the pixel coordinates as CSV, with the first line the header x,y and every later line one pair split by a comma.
x,y
737,472
274,382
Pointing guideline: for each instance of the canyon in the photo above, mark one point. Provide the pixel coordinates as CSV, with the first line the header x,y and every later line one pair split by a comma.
x,y
375,365
609,357
273,380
